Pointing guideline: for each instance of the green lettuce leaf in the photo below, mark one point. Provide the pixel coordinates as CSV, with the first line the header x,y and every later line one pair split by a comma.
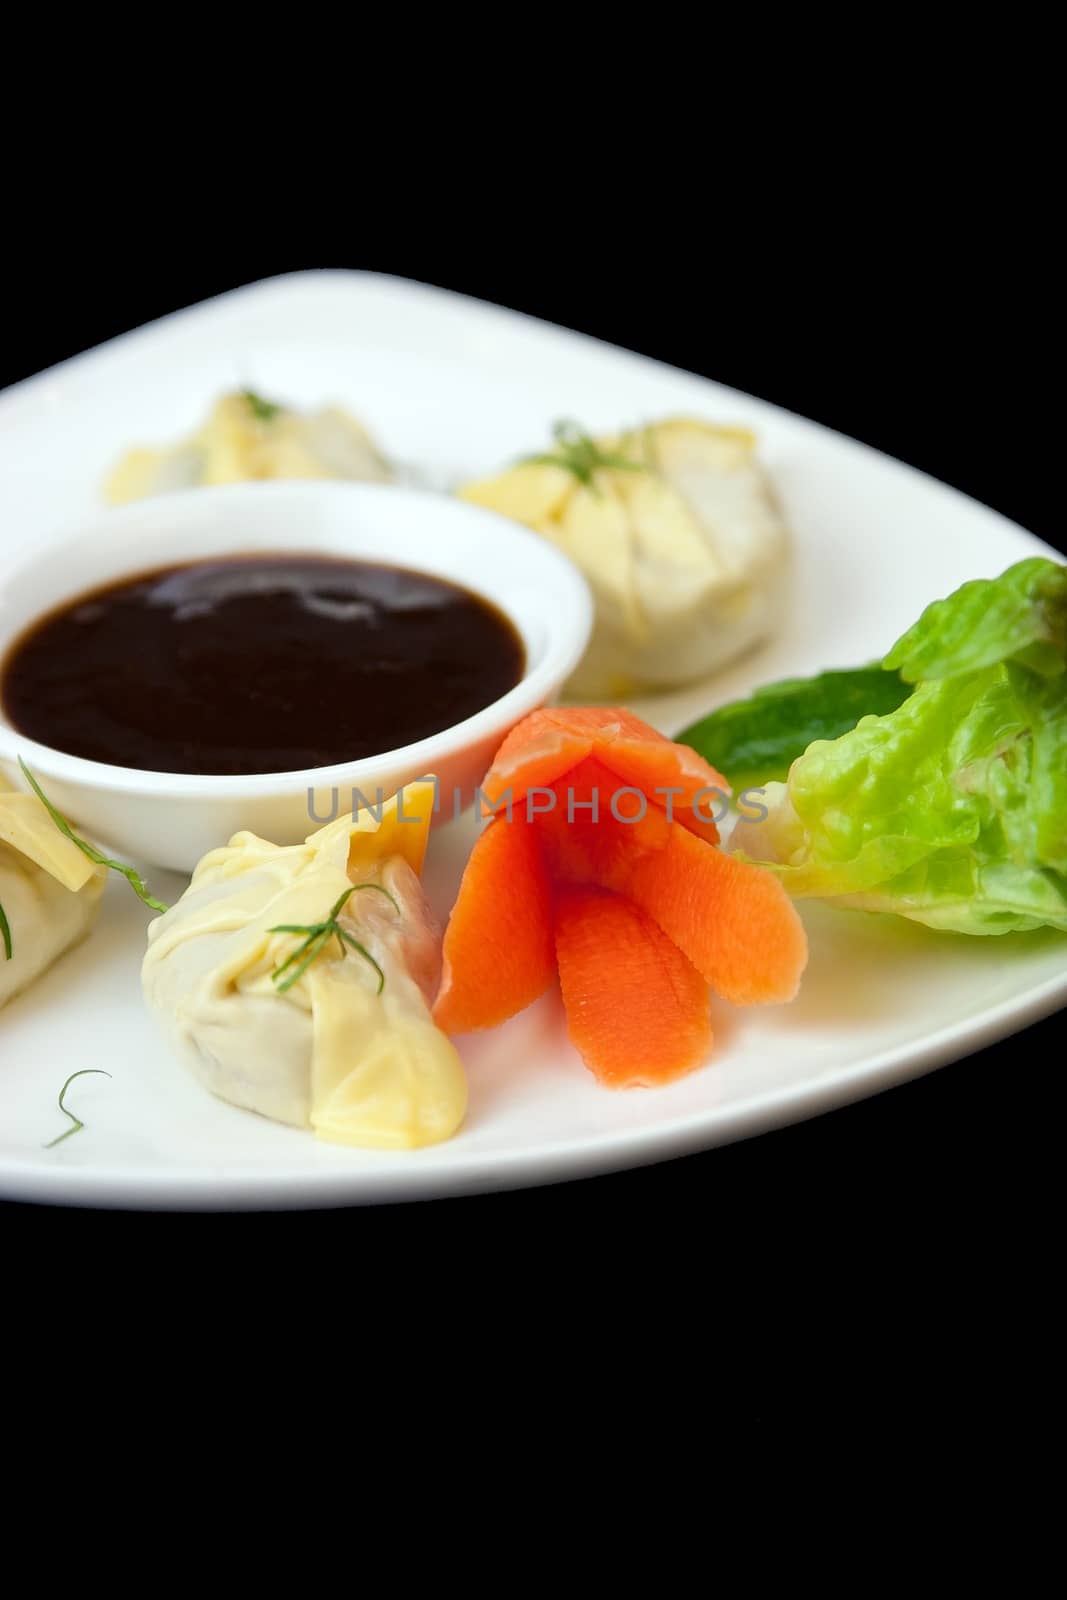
x,y
1020,616
952,808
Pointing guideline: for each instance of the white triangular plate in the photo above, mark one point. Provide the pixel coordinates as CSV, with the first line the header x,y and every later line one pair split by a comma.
x,y
454,387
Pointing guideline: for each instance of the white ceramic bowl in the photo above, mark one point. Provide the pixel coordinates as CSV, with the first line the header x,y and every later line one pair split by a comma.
x,y
171,820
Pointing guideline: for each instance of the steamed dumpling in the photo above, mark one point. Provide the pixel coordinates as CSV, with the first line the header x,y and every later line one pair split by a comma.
x,y
49,891
330,1053
676,529
247,437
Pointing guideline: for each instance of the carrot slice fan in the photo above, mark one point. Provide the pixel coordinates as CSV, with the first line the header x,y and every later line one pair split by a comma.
x,y
602,859
637,1008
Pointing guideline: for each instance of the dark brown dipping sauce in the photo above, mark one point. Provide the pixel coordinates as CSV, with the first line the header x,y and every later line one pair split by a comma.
x,y
258,664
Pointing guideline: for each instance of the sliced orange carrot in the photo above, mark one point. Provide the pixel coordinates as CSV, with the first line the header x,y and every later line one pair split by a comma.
x,y
498,950
537,751
671,774
647,911
637,1009
734,921
585,840
549,743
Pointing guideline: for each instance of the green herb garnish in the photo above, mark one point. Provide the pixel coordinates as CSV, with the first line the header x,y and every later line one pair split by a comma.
x,y
5,930
134,879
318,937
262,410
580,454
76,1123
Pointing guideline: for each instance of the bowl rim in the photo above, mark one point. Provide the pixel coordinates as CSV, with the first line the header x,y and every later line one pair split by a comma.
x,y
568,629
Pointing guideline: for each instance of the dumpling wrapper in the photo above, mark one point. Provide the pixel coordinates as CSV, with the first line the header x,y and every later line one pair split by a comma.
x,y
331,1053
688,557
238,444
49,889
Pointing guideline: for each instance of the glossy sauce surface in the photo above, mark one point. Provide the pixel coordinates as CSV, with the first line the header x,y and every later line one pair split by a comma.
x,y
255,664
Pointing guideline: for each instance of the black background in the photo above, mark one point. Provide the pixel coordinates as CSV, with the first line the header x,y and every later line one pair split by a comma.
x,y
922,324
